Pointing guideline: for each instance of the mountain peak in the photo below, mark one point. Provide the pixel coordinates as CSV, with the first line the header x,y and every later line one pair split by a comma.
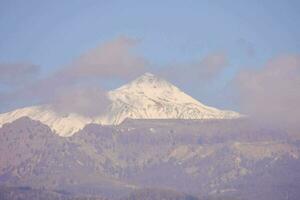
x,y
148,78
148,74
147,82
151,97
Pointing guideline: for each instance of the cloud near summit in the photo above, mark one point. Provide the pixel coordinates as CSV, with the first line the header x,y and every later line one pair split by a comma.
x,y
271,93
198,71
76,85
114,59
13,74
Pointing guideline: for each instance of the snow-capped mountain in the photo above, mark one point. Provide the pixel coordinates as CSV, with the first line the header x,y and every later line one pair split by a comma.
x,y
147,97
151,97
63,125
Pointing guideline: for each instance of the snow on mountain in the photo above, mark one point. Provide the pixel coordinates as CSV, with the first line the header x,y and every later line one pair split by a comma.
x,y
151,97
147,97
64,125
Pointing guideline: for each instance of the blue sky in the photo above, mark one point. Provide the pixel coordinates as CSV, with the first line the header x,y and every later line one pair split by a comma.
x,y
51,34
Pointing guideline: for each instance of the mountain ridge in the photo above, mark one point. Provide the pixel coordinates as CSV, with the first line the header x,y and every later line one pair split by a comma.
x,y
210,159
147,97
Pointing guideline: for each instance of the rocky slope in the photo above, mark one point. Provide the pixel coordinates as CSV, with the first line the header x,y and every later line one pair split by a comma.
x,y
214,159
27,193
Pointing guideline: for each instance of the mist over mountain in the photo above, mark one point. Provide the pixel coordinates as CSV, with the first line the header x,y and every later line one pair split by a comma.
x,y
152,142
147,97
